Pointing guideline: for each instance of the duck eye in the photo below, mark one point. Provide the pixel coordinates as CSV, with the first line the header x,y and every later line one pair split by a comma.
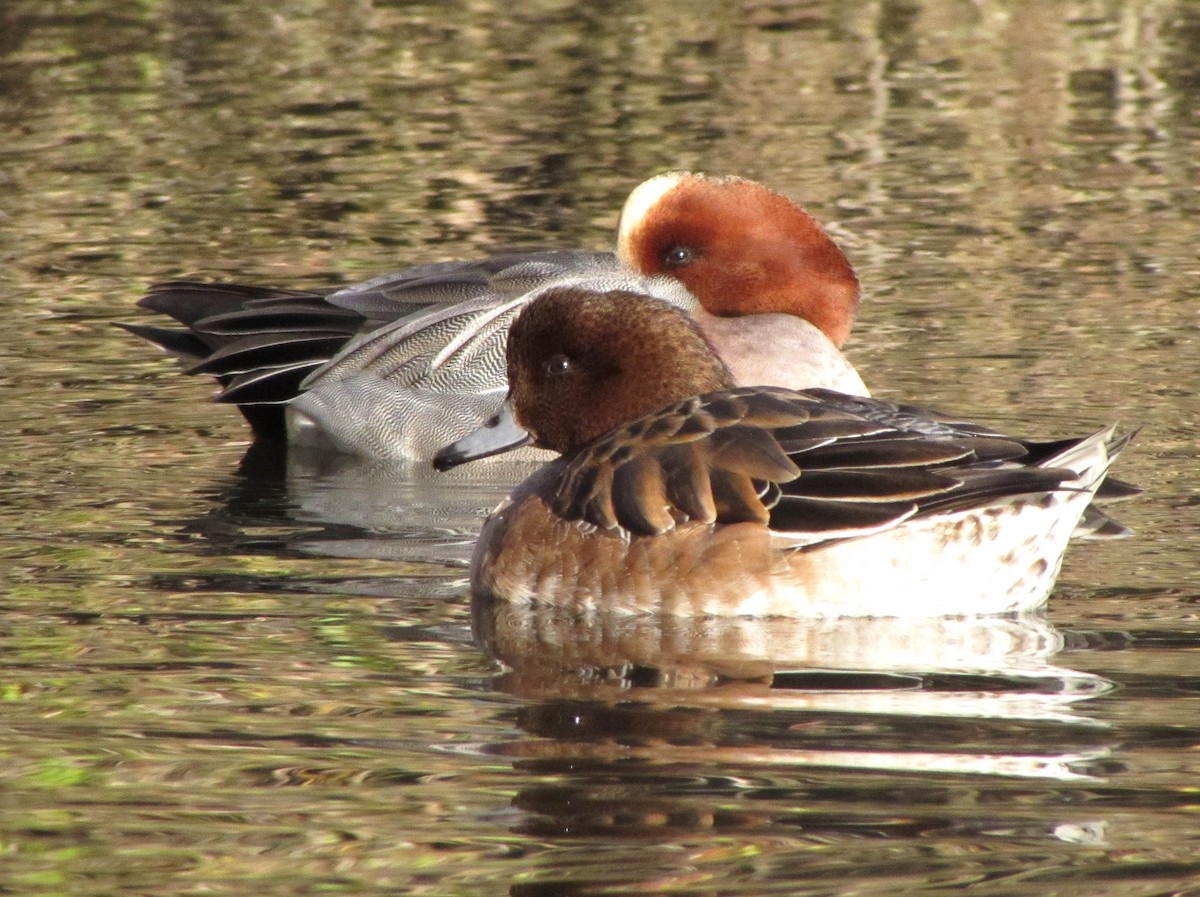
x,y
558,364
678,256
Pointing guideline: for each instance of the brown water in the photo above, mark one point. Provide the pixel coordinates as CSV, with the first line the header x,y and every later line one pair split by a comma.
x,y
224,680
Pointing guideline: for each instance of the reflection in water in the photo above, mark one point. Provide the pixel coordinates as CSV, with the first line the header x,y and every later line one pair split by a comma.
x,y
396,510
330,505
632,714
997,668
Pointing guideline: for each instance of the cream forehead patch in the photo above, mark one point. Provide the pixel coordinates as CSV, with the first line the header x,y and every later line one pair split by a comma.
x,y
643,198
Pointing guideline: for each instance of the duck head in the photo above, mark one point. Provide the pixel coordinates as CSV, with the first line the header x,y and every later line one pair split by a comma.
x,y
739,248
581,363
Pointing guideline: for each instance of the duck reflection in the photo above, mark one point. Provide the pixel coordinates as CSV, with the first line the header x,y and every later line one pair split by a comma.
x,y
396,511
642,721
958,695
331,505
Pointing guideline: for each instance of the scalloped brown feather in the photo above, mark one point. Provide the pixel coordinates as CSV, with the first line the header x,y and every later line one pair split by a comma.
x,y
790,460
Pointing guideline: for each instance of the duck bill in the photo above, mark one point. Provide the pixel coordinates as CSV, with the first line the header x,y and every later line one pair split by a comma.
x,y
499,433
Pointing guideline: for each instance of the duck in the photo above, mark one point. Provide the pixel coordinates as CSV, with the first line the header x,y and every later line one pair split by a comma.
x,y
677,491
395,367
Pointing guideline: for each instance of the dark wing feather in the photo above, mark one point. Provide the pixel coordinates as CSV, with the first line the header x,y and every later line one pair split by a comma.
x,y
1113,489
261,389
180,343
639,493
826,520
189,301
688,488
868,485
736,497
296,318
875,453
267,351
806,465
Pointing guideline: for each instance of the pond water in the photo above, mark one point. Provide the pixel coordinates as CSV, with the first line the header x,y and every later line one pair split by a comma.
x,y
225,676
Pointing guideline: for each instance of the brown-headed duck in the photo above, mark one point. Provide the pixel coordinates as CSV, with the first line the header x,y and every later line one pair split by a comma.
x,y
677,491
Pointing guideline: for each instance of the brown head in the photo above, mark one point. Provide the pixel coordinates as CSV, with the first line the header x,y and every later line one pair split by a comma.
x,y
740,249
581,363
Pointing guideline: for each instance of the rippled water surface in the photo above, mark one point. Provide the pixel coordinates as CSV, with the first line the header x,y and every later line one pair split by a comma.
x,y
230,677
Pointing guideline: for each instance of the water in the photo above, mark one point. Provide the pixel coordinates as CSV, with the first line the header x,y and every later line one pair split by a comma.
x,y
224,677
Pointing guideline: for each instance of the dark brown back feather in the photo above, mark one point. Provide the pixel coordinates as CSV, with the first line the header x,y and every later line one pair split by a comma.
x,y
795,461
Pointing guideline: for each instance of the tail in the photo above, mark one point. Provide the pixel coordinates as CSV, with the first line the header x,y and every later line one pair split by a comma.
x,y
1091,458
258,343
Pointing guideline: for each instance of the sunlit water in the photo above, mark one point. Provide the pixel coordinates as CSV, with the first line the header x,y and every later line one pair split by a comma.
x,y
238,678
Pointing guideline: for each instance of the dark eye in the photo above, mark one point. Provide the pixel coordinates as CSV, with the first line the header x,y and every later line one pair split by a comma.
x,y
679,256
557,364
